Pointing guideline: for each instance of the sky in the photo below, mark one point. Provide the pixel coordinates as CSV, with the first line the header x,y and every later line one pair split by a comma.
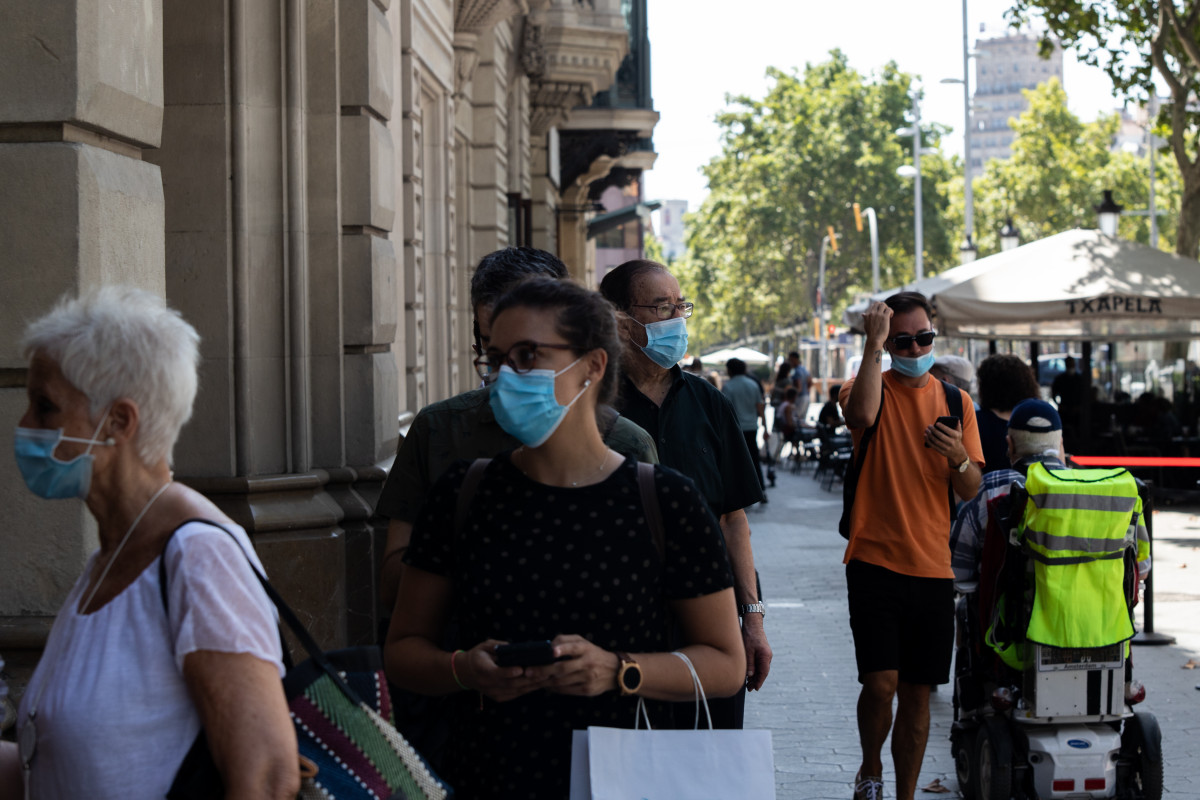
x,y
700,52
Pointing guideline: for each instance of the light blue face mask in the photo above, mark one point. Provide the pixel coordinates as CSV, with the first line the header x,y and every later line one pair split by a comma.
x,y
666,341
913,367
47,476
525,405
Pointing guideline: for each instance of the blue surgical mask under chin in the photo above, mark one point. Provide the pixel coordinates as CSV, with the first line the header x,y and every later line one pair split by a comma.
x,y
525,405
47,476
913,367
666,341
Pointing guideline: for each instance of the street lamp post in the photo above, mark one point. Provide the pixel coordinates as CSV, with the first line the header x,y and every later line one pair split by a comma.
x,y
826,242
1010,237
967,251
1109,213
870,212
914,172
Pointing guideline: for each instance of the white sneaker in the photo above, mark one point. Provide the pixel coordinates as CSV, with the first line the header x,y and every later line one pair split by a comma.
x,y
868,788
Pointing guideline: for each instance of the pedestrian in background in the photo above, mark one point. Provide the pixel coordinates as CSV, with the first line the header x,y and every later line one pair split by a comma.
x,y
802,380
1004,381
898,575
745,394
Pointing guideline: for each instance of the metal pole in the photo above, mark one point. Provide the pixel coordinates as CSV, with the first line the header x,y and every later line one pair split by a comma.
x,y
968,198
874,251
1148,635
822,353
918,263
1150,133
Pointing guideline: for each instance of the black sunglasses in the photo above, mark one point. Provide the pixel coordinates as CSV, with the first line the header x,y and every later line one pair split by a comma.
x,y
905,341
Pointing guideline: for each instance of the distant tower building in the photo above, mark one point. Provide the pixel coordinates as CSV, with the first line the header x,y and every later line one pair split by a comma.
x,y
1005,66
670,233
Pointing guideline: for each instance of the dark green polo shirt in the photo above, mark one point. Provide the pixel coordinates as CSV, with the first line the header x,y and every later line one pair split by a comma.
x,y
464,426
697,433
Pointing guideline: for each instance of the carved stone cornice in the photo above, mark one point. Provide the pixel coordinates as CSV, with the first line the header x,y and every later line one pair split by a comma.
x,y
472,19
570,51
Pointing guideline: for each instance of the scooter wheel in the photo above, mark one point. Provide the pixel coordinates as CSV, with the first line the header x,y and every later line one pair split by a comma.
x,y
962,747
1141,744
993,765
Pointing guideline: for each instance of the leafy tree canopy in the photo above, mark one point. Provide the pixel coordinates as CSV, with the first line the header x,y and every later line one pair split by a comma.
x,y
1059,169
1132,40
792,164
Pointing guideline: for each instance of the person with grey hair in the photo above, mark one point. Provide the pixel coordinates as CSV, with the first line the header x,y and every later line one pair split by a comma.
x,y
956,370
127,681
1034,436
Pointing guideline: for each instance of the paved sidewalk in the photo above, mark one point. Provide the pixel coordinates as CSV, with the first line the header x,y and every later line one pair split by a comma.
x,y
809,699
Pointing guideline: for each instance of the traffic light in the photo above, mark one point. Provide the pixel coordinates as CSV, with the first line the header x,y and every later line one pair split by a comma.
x,y
829,331
832,239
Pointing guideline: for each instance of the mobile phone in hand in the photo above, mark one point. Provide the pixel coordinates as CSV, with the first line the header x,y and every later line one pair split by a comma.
x,y
949,422
525,654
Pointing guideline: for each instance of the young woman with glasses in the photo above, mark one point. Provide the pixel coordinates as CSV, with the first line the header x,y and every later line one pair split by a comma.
x,y
555,544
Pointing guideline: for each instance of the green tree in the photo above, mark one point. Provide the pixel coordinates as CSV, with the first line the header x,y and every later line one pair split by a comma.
x,y
1132,40
791,165
1058,170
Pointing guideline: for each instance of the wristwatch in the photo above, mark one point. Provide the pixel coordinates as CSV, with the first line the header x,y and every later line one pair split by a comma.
x,y
963,466
629,675
752,608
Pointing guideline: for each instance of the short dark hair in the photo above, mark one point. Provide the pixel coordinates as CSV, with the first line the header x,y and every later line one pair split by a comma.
x,y
794,355
1004,381
617,285
499,270
790,393
585,320
903,302
735,366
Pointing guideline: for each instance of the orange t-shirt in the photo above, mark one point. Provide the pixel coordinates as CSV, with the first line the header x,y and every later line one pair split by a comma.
x,y
901,516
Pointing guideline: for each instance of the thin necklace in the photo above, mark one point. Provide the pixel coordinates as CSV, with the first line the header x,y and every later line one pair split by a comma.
x,y
574,483
27,739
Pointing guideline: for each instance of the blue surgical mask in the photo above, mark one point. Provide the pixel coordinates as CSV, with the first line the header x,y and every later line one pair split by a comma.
x,y
666,341
47,476
913,367
525,405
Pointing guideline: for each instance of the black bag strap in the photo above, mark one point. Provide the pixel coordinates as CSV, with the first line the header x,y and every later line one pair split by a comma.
x,y
954,403
286,614
650,505
466,493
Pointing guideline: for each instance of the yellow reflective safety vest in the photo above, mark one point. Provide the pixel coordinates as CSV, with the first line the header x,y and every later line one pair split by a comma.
x,y
1077,527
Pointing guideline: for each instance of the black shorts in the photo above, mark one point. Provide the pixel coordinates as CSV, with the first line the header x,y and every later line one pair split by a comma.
x,y
901,623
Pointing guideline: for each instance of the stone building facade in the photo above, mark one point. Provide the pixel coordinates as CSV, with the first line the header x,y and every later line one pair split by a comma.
x,y
310,182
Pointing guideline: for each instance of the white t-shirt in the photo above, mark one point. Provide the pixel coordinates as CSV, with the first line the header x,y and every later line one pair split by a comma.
x,y
115,719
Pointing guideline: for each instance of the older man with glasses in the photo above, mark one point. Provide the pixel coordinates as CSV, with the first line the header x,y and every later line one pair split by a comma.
x,y
696,432
916,446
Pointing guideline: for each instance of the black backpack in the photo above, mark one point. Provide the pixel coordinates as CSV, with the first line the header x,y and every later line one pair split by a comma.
x,y
854,469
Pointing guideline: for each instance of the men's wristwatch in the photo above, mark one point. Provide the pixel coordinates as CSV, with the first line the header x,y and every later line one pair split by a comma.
x,y
963,466
752,608
629,675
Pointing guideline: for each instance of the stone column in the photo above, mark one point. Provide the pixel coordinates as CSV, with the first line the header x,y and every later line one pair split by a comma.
x,y
79,208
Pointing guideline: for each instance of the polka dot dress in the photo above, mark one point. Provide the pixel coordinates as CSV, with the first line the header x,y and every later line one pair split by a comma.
x,y
535,561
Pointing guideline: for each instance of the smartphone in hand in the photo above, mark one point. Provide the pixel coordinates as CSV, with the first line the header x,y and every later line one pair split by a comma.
x,y
525,654
949,422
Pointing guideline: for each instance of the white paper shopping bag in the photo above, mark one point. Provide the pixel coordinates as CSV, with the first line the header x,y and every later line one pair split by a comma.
x,y
625,764
680,765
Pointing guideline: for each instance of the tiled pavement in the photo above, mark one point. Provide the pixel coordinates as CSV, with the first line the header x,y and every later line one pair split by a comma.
x,y
809,699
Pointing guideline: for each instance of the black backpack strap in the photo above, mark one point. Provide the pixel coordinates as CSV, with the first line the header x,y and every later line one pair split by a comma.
x,y
955,404
466,492
645,477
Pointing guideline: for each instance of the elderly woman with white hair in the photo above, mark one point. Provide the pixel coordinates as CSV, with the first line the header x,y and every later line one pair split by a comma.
x,y
132,670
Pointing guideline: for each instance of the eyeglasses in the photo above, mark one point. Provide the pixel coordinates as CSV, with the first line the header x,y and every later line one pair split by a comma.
x,y
667,310
522,357
905,341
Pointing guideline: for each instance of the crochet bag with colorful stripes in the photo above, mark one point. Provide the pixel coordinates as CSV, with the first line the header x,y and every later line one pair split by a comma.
x,y
349,747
